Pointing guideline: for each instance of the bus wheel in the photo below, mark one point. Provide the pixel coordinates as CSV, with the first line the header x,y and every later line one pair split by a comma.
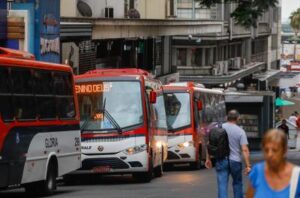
x,y
197,164
44,188
158,171
144,176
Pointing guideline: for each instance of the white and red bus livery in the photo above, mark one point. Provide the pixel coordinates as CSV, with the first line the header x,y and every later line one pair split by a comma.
x,y
192,111
39,123
123,122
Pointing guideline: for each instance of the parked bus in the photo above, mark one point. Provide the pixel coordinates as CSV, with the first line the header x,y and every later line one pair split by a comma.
x,y
39,123
123,123
192,111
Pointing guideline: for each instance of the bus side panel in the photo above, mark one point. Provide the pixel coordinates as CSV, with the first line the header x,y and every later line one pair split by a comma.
x,y
60,144
16,147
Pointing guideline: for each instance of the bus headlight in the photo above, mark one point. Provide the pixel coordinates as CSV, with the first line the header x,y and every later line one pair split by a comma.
x,y
135,149
185,144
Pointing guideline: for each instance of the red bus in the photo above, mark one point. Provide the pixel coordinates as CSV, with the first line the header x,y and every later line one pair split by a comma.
x,y
192,111
39,123
123,123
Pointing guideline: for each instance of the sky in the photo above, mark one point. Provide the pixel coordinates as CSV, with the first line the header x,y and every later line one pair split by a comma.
x,y
288,6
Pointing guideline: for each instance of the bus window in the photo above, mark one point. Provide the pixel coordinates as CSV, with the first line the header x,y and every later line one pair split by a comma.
x,y
43,82
24,107
160,113
6,108
22,81
5,97
63,84
66,107
46,107
4,80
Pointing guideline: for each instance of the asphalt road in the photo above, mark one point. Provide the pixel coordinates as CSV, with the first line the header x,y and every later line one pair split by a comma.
x,y
177,183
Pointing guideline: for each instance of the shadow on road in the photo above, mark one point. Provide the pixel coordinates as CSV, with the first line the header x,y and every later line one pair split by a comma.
x,y
21,193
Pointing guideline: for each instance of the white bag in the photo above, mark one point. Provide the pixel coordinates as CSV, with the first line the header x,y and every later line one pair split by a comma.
x,y
294,181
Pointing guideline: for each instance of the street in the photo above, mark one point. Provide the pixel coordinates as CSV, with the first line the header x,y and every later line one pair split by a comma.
x,y
176,183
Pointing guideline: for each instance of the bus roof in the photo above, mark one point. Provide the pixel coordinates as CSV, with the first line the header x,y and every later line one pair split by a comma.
x,y
5,52
115,73
14,58
190,87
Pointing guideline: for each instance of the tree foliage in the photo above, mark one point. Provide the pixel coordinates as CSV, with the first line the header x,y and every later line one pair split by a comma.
x,y
295,20
295,24
247,12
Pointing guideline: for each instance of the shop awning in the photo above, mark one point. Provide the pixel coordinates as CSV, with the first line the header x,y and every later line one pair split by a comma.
x,y
280,102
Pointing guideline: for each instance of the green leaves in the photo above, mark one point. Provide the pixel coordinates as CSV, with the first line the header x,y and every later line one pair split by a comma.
x,y
247,12
295,20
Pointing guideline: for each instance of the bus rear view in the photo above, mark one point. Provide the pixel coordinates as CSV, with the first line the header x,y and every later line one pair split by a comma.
x,y
116,137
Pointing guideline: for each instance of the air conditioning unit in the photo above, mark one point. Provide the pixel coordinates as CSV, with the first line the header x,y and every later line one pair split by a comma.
x,y
236,63
214,71
109,12
225,65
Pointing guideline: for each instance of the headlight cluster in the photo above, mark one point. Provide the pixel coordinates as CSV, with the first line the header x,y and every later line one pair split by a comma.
x,y
136,149
185,144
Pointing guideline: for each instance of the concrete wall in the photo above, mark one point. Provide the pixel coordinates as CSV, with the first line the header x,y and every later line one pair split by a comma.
x,y
152,9
68,8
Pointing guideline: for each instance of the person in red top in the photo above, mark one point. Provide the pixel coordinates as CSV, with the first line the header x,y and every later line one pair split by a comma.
x,y
298,121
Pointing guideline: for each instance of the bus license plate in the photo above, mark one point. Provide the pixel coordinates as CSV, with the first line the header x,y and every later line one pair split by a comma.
x,y
101,169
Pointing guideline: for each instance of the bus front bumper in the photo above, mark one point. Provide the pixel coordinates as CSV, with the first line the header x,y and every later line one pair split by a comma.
x,y
114,163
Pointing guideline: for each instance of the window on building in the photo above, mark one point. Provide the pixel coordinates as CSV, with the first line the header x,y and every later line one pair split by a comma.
x,y
181,55
196,57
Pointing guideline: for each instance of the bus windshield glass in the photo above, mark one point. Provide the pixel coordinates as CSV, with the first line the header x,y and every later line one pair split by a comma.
x,y
178,110
106,106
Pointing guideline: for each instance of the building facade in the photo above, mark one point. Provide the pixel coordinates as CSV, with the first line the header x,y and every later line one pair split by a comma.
x,y
236,55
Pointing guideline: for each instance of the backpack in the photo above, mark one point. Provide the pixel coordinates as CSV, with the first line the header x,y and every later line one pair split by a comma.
x,y
218,145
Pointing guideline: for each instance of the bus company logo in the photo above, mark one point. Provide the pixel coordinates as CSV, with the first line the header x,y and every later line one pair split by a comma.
x,y
100,148
86,147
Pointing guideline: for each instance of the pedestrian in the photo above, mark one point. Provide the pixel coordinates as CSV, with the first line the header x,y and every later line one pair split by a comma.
x,y
238,145
275,176
284,128
293,118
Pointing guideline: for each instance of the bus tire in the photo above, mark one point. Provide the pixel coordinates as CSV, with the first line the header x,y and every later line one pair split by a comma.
x,y
197,164
158,171
145,177
47,187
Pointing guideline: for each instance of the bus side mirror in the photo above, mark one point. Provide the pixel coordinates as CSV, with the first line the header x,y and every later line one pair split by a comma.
x,y
153,97
199,105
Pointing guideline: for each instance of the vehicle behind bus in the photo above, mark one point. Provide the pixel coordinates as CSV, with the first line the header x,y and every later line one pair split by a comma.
x,y
123,123
192,111
39,123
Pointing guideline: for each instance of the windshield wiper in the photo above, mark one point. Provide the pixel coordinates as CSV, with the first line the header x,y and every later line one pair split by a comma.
x,y
85,122
111,119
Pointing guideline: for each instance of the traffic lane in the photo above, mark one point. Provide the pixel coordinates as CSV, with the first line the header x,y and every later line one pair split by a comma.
x,y
176,183
179,182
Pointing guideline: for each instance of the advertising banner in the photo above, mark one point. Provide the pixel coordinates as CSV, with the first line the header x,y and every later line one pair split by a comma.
x,y
47,30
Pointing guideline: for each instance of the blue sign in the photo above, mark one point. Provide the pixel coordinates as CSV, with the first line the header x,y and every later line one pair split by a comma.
x,y
47,29
3,20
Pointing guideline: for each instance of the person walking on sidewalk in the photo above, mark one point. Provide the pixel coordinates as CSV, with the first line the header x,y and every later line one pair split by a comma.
x,y
238,145
274,177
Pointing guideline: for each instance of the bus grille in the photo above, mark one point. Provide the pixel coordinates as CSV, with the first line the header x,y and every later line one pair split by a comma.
x,y
113,162
104,139
172,155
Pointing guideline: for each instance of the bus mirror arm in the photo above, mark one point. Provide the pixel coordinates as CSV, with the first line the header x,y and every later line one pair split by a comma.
x,y
199,105
153,97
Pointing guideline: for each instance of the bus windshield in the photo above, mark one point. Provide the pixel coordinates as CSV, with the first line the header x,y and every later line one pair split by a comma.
x,y
178,110
106,106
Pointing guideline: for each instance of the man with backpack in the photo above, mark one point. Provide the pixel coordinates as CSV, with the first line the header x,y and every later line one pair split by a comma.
x,y
226,145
